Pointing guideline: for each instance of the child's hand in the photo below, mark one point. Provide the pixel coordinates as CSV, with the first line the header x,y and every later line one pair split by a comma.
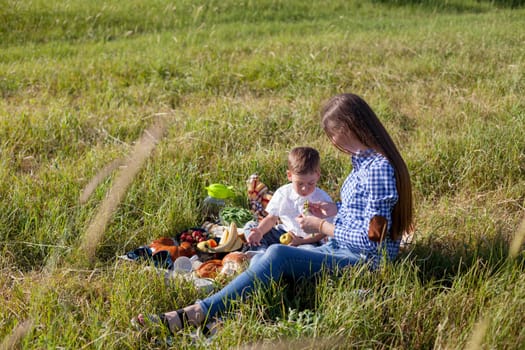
x,y
255,237
323,209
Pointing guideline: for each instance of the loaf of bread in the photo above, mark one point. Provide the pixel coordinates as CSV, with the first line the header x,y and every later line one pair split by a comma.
x,y
165,243
209,268
233,263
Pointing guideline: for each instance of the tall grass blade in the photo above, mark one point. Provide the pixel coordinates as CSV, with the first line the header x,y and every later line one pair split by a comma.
x,y
141,151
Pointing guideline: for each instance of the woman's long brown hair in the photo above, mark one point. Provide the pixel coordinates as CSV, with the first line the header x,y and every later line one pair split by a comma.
x,y
351,112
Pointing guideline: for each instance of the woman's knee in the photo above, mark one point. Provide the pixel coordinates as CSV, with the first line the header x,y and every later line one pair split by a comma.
x,y
276,250
277,253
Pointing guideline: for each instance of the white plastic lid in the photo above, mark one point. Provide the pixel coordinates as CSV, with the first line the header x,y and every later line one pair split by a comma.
x,y
182,265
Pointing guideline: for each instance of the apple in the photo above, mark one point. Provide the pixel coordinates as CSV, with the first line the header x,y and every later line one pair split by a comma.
x,y
286,238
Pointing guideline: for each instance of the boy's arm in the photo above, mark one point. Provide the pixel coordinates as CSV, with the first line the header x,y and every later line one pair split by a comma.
x,y
267,223
262,228
316,237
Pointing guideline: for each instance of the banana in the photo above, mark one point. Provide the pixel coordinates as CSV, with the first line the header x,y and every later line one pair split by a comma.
x,y
229,242
232,240
237,242
224,237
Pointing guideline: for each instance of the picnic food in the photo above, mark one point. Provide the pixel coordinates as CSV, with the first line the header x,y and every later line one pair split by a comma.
x,y
193,235
233,262
286,238
230,241
207,245
235,257
238,215
306,208
209,269
165,243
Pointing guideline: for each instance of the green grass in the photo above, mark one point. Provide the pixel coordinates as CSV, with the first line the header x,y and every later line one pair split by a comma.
x,y
238,84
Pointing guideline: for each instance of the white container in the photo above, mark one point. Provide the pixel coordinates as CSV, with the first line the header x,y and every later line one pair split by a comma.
x,y
182,264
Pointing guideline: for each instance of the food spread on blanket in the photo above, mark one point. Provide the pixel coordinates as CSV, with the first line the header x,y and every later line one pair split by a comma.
x,y
213,250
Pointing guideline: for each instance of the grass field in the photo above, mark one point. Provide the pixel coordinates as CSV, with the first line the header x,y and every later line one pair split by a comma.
x,y
175,95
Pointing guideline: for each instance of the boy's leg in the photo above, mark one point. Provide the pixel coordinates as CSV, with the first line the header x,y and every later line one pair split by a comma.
x,y
272,237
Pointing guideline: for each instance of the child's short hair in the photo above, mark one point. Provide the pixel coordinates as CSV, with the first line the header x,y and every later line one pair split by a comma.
x,y
303,160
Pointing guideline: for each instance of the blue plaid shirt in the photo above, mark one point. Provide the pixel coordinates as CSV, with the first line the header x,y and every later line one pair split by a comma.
x,y
369,190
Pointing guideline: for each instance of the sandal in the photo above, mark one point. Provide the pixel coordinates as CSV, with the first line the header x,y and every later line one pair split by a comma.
x,y
211,328
160,320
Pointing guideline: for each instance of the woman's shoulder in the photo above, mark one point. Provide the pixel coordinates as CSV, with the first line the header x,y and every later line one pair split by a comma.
x,y
380,163
380,160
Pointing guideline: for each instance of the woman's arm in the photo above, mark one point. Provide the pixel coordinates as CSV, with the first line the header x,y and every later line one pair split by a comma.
x,y
323,209
313,224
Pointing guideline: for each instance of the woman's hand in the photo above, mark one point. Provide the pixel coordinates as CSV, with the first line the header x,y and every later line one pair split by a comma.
x,y
309,224
323,209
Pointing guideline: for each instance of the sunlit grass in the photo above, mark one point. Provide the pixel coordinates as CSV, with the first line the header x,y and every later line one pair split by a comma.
x,y
240,84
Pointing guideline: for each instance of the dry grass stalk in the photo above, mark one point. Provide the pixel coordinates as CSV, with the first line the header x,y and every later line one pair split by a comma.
x,y
136,160
476,339
97,179
516,243
13,340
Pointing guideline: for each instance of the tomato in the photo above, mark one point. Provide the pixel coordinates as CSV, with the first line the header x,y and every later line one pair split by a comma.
x,y
213,243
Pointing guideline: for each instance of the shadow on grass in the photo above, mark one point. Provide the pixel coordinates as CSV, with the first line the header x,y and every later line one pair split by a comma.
x,y
444,259
438,261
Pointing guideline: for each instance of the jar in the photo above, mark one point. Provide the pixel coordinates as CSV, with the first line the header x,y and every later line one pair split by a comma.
x,y
211,208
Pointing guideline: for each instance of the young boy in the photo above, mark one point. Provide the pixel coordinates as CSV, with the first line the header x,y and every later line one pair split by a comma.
x,y
288,202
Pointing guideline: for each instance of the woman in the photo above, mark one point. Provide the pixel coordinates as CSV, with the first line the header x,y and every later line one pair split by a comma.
x,y
374,213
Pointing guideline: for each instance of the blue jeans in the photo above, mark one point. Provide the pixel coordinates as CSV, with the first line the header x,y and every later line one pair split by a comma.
x,y
279,261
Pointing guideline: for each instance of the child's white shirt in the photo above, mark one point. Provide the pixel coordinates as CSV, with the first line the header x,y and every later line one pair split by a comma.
x,y
288,204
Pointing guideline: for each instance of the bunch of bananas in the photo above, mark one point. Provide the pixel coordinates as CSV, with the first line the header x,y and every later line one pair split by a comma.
x,y
229,242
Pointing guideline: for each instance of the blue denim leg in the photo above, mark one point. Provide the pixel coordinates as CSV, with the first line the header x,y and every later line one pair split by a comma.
x,y
277,262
